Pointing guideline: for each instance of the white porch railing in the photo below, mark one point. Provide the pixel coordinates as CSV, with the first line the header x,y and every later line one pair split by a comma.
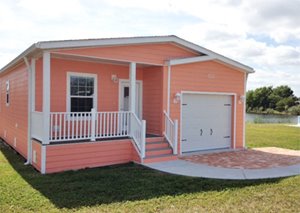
x,y
138,133
76,126
70,126
171,132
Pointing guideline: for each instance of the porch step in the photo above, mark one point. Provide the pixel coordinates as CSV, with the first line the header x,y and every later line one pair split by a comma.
x,y
154,145
160,158
154,139
158,151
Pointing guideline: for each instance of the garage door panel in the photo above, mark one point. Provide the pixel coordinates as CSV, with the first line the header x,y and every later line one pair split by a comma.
x,y
209,115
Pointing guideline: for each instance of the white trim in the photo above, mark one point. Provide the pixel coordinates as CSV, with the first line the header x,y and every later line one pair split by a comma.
x,y
126,81
31,71
132,86
209,93
191,60
244,111
46,95
234,120
33,84
81,74
43,159
169,89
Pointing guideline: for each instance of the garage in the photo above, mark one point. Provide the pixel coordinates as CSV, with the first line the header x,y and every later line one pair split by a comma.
x,y
206,122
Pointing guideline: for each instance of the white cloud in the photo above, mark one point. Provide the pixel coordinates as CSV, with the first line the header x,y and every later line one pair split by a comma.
x,y
262,34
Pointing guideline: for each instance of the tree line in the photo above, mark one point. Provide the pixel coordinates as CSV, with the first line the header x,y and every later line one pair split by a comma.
x,y
269,100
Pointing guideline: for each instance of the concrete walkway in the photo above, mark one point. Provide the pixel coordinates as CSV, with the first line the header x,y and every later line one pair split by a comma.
x,y
186,168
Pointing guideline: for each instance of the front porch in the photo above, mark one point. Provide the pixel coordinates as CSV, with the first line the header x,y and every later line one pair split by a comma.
x,y
87,104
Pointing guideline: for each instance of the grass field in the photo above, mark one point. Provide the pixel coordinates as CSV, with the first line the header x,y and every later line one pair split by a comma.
x,y
278,135
133,188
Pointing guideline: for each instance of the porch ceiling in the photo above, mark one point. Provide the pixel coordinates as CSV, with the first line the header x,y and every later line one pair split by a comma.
x,y
98,59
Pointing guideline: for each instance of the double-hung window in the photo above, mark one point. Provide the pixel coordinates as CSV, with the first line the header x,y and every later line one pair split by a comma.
x,y
82,90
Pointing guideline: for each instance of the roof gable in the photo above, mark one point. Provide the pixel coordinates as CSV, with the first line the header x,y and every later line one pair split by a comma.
x,y
85,43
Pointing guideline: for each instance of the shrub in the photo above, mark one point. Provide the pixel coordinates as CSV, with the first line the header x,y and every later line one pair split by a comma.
x,y
294,110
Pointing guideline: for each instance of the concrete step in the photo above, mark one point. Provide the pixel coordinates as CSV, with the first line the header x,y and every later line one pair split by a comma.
x,y
158,151
154,139
154,145
160,158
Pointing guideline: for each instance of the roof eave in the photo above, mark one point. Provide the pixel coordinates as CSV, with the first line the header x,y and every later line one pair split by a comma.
x,y
15,61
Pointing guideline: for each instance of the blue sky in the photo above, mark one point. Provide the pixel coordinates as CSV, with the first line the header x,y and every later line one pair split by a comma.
x,y
262,34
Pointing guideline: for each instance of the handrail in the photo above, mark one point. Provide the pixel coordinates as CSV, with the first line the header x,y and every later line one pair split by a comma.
x,y
138,133
171,132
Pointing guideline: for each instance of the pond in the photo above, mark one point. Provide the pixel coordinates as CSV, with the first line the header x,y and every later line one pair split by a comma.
x,y
262,118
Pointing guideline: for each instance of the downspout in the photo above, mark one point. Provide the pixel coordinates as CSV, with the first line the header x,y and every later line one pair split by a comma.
x,y
29,143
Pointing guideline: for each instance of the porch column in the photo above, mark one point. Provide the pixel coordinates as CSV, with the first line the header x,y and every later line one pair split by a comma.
x,y
132,86
46,96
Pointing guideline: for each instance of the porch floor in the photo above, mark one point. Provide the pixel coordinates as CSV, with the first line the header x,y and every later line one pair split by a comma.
x,y
243,164
97,140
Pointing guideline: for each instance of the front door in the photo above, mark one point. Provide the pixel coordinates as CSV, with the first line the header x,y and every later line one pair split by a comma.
x,y
124,97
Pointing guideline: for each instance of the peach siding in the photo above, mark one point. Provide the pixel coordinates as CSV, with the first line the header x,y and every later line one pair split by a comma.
x,y
208,77
108,91
89,154
153,99
36,146
147,53
13,118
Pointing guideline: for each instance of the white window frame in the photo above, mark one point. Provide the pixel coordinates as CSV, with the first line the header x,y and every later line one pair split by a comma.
x,y
7,93
79,74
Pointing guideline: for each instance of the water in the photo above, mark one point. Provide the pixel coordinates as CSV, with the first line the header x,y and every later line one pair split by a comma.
x,y
260,118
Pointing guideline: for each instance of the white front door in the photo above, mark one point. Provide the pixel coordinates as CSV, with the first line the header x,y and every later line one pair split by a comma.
x,y
124,97
206,122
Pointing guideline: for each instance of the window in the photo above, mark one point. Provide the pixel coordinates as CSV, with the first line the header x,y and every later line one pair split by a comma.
x,y
81,92
7,93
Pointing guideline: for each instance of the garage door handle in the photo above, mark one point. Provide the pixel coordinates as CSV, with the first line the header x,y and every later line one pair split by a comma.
x,y
201,132
211,131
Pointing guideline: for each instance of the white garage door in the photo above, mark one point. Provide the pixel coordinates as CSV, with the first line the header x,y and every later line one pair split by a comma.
x,y
206,122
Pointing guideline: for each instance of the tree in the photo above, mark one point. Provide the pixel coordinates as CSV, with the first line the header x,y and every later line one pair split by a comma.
x,y
280,98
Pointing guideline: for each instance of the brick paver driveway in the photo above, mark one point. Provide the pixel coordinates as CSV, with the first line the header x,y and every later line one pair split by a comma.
x,y
257,158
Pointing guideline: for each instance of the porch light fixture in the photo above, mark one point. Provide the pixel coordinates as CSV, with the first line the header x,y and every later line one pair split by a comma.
x,y
114,78
177,98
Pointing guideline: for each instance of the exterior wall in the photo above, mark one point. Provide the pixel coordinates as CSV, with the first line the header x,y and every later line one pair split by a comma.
x,y
88,154
147,53
108,91
14,117
153,99
208,77
37,159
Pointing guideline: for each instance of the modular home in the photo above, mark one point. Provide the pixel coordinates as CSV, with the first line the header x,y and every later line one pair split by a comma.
x,y
74,104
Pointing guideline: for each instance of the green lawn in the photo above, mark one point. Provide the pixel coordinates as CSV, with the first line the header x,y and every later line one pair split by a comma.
x,y
133,188
278,135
